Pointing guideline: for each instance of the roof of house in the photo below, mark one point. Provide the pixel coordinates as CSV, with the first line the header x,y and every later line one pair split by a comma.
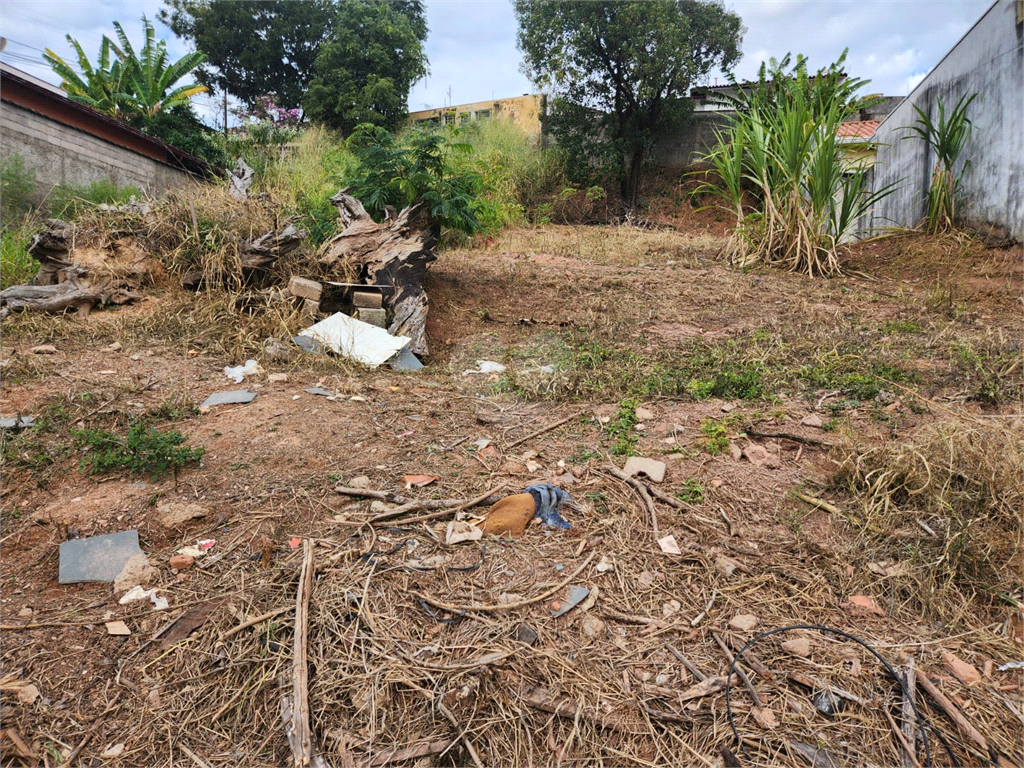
x,y
28,92
858,129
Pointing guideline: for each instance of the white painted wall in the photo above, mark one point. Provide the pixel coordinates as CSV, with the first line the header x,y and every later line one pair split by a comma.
x,y
989,61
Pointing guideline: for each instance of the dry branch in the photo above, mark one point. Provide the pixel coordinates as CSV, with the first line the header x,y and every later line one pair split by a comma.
x,y
641,489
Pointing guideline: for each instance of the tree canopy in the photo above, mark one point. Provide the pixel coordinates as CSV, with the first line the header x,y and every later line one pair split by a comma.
x,y
365,71
255,47
619,72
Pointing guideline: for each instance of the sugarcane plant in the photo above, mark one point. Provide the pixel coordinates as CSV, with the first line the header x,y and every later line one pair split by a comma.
x,y
947,136
783,172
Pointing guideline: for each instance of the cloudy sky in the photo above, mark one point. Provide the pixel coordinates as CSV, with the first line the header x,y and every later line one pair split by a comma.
x,y
472,43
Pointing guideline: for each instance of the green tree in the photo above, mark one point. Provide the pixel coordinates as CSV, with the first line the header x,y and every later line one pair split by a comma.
x,y
255,47
619,72
364,73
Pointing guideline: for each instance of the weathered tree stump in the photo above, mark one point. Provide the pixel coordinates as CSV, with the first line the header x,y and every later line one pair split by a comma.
x,y
394,254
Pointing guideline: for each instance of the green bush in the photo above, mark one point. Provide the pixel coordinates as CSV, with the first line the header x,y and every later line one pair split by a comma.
x,y
144,450
419,165
16,265
68,201
17,183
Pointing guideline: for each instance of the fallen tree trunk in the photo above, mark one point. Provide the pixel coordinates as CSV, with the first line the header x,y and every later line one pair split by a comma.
x,y
394,254
51,249
50,298
263,252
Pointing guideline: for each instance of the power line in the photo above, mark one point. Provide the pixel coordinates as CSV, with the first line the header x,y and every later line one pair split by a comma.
x,y
25,45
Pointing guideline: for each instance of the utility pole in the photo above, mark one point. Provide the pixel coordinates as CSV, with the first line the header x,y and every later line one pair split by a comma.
x,y
225,90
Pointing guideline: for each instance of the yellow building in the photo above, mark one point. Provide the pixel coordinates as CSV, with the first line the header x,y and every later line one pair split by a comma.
x,y
524,111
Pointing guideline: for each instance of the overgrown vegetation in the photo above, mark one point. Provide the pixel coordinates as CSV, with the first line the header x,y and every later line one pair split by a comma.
x,y
947,136
806,197
17,183
144,450
70,201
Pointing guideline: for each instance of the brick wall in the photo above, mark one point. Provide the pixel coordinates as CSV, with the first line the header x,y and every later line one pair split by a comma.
x,y
686,146
59,154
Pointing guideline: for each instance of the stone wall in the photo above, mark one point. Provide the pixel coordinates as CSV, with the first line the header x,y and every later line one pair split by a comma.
x,y
59,154
686,146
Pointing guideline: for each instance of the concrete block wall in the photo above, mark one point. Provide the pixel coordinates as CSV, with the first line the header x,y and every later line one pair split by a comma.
x,y
686,146
59,154
988,61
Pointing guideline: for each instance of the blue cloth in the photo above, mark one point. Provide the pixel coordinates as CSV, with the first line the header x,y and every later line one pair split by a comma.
x,y
547,499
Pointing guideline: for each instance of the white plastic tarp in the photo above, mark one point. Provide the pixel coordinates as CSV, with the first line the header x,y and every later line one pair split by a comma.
x,y
362,342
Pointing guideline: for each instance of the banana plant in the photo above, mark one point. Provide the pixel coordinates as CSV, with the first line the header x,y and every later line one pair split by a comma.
x,y
102,87
151,78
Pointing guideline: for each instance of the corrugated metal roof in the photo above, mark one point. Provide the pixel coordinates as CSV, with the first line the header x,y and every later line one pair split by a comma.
x,y
860,129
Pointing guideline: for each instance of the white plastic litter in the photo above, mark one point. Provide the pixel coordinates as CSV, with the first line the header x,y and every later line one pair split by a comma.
x,y
355,339
486,366
1011,665
239,372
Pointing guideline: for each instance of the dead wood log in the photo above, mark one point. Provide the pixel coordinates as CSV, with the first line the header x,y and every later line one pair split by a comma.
x,y
263,252
394,254
51,248
50,298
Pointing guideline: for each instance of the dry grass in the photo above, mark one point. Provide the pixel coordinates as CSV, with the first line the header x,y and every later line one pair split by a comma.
x,y
948,501
611,245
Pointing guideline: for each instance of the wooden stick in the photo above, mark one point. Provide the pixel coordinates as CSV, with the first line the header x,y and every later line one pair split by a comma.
x,y
442,513
462,733
641,489
302,745
541,698
952,712
507,606
686,663
548,428
815,684
411,753
200,763
814,501
739,670
908,755
756,664
252,622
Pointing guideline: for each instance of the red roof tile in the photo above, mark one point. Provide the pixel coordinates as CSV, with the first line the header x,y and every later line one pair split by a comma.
x,y
858,129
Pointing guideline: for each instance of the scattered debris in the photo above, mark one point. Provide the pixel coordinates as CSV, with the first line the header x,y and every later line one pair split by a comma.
x,y
98,558
171,514
549,499
743,622
17,423
593,626
604,565
181,562
576,596
510,515
670,608
137,571
637,465
114,750
361,483
865,603
813,420
44,349
238,373
799,646
964,672
418,481
405,360
240,179
277,378
643,414
138,593
459,531
320,392
827,703
765,718
669,546
485,367
117,628
228,398
1010,666
26,692
725,565
190,620
759,456
526,634
362,342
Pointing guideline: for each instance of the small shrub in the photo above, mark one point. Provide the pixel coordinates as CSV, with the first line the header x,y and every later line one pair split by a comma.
x,y
17,183
144,450
716,436
70,201
692,491
16,265
622,428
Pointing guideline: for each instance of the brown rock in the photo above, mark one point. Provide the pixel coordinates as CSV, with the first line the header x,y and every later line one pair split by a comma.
x,y
812,420
43,349
759,456
865,604
743,622
181,561
799,646
174,513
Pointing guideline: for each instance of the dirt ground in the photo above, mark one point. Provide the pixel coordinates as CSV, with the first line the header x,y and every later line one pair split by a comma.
x,y
749,386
